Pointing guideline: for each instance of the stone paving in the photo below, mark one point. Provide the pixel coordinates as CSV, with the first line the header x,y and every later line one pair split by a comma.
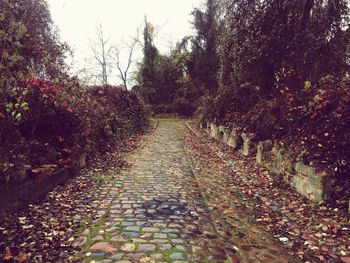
x,y
155,212
232,212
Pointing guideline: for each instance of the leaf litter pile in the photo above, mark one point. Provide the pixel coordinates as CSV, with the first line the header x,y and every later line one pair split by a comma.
x,y
43,231
312,233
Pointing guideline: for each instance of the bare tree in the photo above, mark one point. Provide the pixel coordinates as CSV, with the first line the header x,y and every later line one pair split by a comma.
x,y
102,51
123,70
107,57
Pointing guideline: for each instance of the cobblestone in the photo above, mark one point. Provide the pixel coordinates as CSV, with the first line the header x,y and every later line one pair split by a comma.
x,y
156,211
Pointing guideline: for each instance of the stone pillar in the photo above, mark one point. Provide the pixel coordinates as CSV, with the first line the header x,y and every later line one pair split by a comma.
x,y
277,161
259,153
221,134
208,127
226,136
214,130
246,143
232,138
82,160
262,148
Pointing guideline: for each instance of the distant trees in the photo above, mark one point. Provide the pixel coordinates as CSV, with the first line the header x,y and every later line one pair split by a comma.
x,y
189,71
102,52
147,76
109,60
243,52
161,77
124,68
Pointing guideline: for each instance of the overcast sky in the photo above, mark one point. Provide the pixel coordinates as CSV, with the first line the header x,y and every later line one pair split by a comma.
x,y
77,19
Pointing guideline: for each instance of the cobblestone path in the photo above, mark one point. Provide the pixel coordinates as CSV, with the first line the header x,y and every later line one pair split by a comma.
x,y
155,211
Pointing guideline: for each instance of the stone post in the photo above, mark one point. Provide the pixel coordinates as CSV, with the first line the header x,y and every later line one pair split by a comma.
x,y
221,134
277,161
262,148
232,139
82,160
214,130
226,136
246,143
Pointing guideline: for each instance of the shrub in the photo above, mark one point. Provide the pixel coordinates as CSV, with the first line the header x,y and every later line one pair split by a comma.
x,y
54,125
107,114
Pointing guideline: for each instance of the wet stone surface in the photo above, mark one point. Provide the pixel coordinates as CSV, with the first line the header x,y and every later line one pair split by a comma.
x,y
156,212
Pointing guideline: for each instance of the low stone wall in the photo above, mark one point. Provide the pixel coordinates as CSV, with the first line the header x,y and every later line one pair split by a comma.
x,y
18,193
310,183
305,179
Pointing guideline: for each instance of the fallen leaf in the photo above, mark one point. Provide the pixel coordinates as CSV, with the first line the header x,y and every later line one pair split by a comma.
x,y
7,254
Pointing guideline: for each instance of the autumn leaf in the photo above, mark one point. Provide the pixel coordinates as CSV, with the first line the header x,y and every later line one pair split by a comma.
x,y
334,229
22,258
7,254
36,170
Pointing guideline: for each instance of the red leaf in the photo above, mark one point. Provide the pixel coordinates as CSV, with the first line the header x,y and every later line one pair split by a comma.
x,y
7,255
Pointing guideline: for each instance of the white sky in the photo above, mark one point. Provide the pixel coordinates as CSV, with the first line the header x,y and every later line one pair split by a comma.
x,y
77,19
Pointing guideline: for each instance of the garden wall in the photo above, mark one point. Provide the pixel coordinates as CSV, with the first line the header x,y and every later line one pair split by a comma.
x,y
307,180
18,193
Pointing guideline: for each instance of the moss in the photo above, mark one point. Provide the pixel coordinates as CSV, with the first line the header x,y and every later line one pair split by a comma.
x,y
96,229
107,237
169,252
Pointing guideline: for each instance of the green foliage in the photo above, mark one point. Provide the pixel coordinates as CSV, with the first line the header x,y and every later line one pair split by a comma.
x,y
147,75
18,107
28,42
204,63
278,44
266,48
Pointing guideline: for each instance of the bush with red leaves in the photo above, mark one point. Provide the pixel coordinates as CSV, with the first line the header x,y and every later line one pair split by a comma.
x,y
48,124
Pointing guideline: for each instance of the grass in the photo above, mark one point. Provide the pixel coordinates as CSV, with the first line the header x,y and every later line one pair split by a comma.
x,y
94,230
104,177
169,252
